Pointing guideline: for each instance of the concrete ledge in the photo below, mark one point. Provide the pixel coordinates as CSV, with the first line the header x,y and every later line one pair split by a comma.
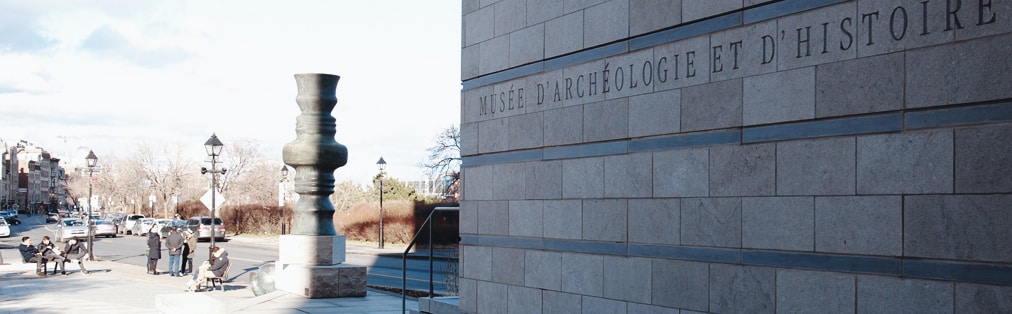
x,y
439,305
337,281
189,303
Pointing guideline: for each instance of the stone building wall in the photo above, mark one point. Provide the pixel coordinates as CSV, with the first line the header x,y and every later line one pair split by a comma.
x,y
644,156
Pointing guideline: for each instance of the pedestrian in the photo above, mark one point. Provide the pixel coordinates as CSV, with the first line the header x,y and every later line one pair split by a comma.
x,y
50,252
154,251
189,249
77,250
215,266
30,254
175,244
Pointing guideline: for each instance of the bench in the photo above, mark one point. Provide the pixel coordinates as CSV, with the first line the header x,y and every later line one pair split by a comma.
x,y
215,280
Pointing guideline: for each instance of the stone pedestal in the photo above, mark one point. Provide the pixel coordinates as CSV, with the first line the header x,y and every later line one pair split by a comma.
x,y
313,282
311,250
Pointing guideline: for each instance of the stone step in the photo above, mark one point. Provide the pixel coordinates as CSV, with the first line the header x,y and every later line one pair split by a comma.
x,y
439,305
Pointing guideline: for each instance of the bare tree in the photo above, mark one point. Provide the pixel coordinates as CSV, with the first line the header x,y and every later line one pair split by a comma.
x,y
444,156
165,171
241,156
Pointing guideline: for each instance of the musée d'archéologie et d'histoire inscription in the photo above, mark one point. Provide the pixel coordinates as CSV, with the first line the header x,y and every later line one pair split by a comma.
x,y
811,40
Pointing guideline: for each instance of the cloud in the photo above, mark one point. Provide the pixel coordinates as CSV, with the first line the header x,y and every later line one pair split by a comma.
x,y
11,90
105,42
21,32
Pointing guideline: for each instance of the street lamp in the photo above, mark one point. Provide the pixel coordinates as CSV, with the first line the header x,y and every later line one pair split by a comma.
x,y
92,161
213,147
382,165
281,195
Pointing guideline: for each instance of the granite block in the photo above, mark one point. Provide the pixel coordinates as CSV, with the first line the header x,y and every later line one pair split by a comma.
x,y
779,223
655,114
583,178
468,6
507,184
523,300
468,139
564,219
472,101
494,55
630,74
470,57
564,126
576,5
467,290
543,270
637,308
650,15
628,175
801,291
311,250
699,9
493,217
507,263
805,40
559,302
478,26
527,45
943,80
493,135
478,183
468,217
654,221
606,120
681,173
712,106
317,282
679,284
476,262
779,97
711,222
527,131
864,85
740,51
605,219
540,11
508,15
687,60
964,227
575,88
867,225
544,180
746,170
898,25
816,167
594,305
526,218
627,279
609,21
582,274
742,289
972,298
908,163
491,297
564,34
894,295
983,18
981,166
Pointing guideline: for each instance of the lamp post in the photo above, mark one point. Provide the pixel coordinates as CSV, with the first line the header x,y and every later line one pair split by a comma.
x,y
281,195
213,147
382,165
92,161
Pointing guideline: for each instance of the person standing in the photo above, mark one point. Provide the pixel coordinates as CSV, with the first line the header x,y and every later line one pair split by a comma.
x,y
30,254
50,252
154,251
189,248
175,244
77,250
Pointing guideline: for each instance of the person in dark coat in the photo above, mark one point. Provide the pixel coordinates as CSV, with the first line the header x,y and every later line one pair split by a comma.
x,y
51,252
154,251
77,250
215,267
31,254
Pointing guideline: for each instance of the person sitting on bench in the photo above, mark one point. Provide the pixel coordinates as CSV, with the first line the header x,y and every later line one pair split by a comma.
x,y
213,268
77,250
50,252
31,254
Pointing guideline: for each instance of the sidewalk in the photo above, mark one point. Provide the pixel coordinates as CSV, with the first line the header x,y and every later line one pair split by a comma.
x,y
121,288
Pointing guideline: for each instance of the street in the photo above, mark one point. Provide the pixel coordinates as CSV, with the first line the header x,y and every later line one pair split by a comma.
x,y
384,270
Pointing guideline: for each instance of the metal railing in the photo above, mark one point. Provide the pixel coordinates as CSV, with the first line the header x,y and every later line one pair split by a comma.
x,y
404,256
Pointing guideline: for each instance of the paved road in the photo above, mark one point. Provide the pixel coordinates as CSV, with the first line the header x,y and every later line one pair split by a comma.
x,y
247,254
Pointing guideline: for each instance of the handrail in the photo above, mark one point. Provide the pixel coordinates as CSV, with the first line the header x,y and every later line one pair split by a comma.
x,y
404,256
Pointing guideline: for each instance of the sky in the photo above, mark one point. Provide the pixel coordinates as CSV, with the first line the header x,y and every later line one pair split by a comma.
x,y
107,75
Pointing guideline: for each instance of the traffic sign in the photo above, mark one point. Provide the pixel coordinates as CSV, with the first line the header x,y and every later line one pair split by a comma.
x,y
219,199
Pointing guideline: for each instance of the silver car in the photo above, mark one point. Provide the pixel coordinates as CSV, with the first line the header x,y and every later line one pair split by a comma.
x,y
70,228
142,226
104,228
5,229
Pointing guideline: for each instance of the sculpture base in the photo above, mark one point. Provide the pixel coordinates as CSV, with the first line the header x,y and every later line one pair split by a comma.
x,y
311,250
336,281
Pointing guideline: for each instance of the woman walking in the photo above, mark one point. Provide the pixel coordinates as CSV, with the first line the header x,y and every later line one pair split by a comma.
x,y
154,251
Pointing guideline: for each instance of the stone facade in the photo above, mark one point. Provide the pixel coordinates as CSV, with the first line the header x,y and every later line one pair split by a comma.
x,y
645,156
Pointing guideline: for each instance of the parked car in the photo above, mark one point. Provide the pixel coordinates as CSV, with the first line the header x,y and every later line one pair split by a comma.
x,y
70,228
5,229
142,226
179,224
11,216
128,223
201,226
104,228
52,217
